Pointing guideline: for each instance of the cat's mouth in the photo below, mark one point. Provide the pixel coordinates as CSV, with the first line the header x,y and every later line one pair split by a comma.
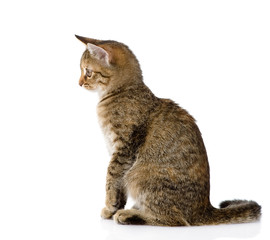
x,y
87,86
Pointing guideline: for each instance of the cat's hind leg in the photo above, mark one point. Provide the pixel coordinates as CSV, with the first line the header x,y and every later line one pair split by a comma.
x,y
132,217
138,217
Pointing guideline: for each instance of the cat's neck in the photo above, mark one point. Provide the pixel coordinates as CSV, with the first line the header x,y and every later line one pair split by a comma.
x,y
119,86
104,95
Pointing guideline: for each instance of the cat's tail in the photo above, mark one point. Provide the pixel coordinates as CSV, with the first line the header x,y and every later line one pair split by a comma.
x,y
235,211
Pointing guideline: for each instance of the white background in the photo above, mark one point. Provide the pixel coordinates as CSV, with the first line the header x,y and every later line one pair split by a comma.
x,y
211,57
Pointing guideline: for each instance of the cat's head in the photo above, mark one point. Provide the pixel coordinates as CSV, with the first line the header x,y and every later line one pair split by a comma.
x,y
107,65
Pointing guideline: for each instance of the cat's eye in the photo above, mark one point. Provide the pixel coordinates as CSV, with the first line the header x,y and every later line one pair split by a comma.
x,y
88,73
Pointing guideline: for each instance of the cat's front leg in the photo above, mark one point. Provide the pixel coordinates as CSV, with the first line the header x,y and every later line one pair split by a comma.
x,y
115,200
116,196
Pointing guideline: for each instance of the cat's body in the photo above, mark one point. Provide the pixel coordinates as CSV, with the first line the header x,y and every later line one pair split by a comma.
x,y
157,152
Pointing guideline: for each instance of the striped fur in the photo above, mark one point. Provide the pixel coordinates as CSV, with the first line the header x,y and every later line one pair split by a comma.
x,y
157,152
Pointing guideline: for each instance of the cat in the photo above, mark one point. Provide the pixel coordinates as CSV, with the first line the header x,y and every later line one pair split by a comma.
x,y
157,152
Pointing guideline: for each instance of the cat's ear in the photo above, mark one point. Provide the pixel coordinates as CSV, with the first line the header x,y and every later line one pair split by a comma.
x,y
98,53
86,40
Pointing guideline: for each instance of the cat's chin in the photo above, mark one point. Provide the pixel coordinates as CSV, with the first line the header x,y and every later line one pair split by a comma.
x,y
94,89
88,87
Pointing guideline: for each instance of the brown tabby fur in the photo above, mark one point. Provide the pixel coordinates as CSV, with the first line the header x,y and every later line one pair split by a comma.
x,y
157,151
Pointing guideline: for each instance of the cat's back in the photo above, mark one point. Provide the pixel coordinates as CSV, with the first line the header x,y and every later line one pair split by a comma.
x,y
172,115
173,136
173,120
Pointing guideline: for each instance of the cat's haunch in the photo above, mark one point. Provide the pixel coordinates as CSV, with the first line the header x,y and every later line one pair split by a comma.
x,y
157,152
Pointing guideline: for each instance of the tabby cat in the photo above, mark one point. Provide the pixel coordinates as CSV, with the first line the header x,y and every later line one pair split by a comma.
x,y
157,152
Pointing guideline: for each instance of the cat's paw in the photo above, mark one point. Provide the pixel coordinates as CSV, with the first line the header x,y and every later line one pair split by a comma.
x,y
106,213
